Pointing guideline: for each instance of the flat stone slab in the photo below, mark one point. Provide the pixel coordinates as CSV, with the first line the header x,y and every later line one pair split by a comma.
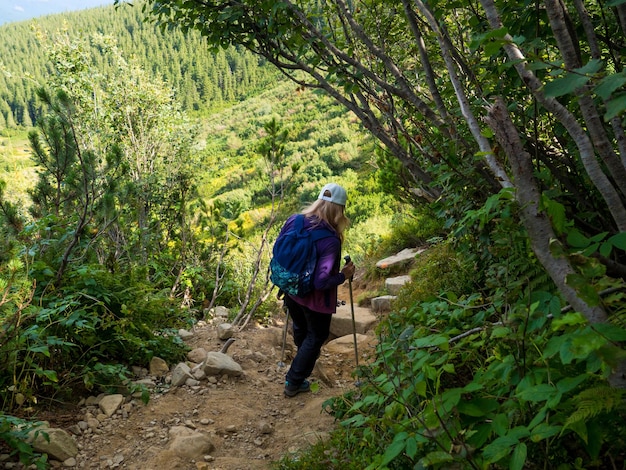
x,y
382,303
345,344
341,324
400,258
394,284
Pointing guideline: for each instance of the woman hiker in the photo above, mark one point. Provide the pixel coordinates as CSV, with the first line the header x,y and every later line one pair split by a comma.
x,y
312,313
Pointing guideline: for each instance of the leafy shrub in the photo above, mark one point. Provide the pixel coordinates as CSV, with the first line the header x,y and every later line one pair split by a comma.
x,y
448,388
97,319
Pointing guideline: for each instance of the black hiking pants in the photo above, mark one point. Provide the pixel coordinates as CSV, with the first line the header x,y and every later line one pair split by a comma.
x,y
310,332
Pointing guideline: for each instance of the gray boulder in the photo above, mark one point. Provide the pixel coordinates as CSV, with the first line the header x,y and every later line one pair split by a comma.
x,y
217,363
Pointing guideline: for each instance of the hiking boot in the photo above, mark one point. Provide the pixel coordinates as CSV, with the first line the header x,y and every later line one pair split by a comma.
x,y
293,390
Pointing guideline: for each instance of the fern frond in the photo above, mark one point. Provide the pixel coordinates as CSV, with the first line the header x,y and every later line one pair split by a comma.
x,y
593,402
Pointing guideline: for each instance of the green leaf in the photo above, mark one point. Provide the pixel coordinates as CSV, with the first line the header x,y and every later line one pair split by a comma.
x,y
605,249
576,239
480,436
615,106
395,448
537,393
40,349
618,240
585,342
420,388
556,212
477,407
569,319
544,431
411,447
609,84
583,288
51,375
450,399
565,352
569,383
591,249
599,236
566,84
580,428
611,332
501,424
501,332
435,458
499,448
518,459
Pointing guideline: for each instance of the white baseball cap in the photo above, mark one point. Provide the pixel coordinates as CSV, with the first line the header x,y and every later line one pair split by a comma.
x,y
332,192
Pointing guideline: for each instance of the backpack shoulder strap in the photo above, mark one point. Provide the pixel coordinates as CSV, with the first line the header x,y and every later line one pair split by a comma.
x,y
298,223
316,233
320,233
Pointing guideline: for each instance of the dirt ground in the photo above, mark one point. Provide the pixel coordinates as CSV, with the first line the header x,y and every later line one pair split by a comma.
x,y
249,421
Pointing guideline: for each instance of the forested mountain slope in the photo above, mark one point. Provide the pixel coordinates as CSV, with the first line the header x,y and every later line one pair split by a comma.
x,y
201,78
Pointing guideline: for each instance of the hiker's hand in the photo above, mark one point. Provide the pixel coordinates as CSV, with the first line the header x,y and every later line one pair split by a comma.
x,y
348,270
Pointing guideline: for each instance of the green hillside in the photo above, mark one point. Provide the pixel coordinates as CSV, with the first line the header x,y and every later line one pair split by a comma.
x,y
202,79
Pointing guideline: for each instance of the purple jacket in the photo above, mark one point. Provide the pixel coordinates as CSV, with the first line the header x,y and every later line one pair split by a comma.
x,y
327,277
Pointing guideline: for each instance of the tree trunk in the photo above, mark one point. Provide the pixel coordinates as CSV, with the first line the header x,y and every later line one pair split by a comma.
x,y
536,222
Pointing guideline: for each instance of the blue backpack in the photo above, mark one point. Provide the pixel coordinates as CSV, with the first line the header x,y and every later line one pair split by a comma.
x,y
294,257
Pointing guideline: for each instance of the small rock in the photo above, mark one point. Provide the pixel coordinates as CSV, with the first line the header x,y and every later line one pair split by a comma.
x,y
93,423
265,427
217,363
197,355
140,372
184,334
188,443
92,401
180,374
110,404
158,367
225,331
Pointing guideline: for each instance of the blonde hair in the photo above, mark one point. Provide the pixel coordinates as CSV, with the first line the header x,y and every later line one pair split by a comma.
x,y
329,212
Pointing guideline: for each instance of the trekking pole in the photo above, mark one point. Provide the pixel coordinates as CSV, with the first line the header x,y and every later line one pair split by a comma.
x,y
356,352
281,363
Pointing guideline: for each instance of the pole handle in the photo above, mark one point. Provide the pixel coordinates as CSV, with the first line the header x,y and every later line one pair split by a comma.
x,y
348,259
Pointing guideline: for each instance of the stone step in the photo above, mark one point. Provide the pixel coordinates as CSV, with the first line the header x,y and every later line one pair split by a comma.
x,y
400,259
394,284
383,303
341,323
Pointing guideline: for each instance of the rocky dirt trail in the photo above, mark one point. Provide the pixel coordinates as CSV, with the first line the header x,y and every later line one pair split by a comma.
x,y
223,422
248,421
